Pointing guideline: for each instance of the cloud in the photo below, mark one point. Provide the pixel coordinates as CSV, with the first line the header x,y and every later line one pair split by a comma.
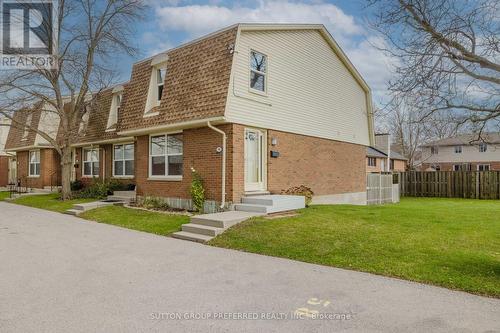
x,y
199,19
192,21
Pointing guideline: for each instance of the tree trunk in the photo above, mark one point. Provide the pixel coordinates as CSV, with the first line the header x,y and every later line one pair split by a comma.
x,y
66,164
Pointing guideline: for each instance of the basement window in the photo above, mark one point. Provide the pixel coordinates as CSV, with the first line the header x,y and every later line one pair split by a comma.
x,y
166,156
34,167
91,162
258,71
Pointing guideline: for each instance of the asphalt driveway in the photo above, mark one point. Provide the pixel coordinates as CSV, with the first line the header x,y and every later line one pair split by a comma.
x,y
59,273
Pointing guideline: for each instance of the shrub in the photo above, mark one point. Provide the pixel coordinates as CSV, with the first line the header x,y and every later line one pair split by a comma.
x,y
150,202
101,189
77,185
197,191
300,190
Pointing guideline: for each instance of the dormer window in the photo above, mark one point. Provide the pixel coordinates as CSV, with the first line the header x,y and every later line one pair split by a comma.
x,y
160,79
29,120
115,109
85,121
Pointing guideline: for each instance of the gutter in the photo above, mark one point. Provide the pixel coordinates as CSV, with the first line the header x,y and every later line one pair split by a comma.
x,y
102,142
171,127
224,144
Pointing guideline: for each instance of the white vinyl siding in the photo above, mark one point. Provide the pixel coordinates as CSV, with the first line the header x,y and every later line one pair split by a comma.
x,y
309,90
34,166
470,154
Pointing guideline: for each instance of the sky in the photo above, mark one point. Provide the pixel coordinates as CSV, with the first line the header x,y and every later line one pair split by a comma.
x,y
168,23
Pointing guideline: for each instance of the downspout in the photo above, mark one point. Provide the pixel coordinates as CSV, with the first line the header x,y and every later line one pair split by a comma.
x,y
224,143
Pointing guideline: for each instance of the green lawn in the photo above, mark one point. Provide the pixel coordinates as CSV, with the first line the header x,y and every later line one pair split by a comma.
x,y
49,202
152,222
454,243
3,195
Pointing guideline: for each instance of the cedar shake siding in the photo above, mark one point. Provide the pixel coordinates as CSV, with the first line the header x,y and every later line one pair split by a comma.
x,y
195,87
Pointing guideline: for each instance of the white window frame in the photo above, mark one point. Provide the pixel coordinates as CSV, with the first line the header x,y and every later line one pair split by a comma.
x,y
265,74
26,132
374,159
456,167
91,163
153,98
150,159
434,150
483,165
458,149
123,160
483,147
113,113
30,174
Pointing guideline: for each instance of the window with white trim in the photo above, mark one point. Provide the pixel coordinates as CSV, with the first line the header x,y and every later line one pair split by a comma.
x,y
155,90
91,162
434,150
34,167
372,161
26,132
123,160
258,71
166,155
458,149
160,80
483,147
115,109
483,167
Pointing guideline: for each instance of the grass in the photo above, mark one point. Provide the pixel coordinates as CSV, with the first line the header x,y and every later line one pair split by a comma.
x,y
49,202
4,195
152,222
454,243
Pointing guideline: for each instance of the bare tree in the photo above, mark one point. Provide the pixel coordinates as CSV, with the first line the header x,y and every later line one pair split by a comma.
x,y
447,53
410,131
91,33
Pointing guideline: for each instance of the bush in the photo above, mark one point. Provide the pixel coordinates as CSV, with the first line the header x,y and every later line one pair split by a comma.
x,y
101,189
154,203
77,185
197,191
300,190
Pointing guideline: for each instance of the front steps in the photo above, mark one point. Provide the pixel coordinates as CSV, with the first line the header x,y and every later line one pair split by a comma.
x,y
205,227
118,198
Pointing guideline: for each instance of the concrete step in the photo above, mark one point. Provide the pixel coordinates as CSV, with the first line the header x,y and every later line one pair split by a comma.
x,y
128,194
201,229
121,198
74,212
252,208
222,220
92,205
192,237
256,193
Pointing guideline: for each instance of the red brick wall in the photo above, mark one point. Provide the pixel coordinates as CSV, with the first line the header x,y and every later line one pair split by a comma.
x,y
50,169
326,166
4,170
199,146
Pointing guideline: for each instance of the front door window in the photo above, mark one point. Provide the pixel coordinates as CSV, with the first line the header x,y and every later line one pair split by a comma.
x,y
254,160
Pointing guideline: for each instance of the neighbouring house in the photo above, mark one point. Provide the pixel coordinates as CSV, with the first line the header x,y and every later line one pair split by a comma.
x,y
462,153
6,159
35,161
252,108
383,158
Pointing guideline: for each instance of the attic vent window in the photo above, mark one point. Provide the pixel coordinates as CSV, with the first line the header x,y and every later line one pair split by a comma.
x,y
258,71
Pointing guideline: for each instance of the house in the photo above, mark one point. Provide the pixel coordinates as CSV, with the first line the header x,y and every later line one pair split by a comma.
x,y
34,162
5,158
252,108
383,157
462,153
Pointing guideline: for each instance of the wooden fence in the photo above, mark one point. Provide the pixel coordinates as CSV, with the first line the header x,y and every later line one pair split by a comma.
x,y
380,189
451,184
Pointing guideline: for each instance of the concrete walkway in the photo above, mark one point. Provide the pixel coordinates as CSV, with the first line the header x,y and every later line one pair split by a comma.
x,y
59,273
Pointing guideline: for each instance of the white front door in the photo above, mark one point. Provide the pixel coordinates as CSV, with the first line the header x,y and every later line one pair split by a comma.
x,y
255,160
12,170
